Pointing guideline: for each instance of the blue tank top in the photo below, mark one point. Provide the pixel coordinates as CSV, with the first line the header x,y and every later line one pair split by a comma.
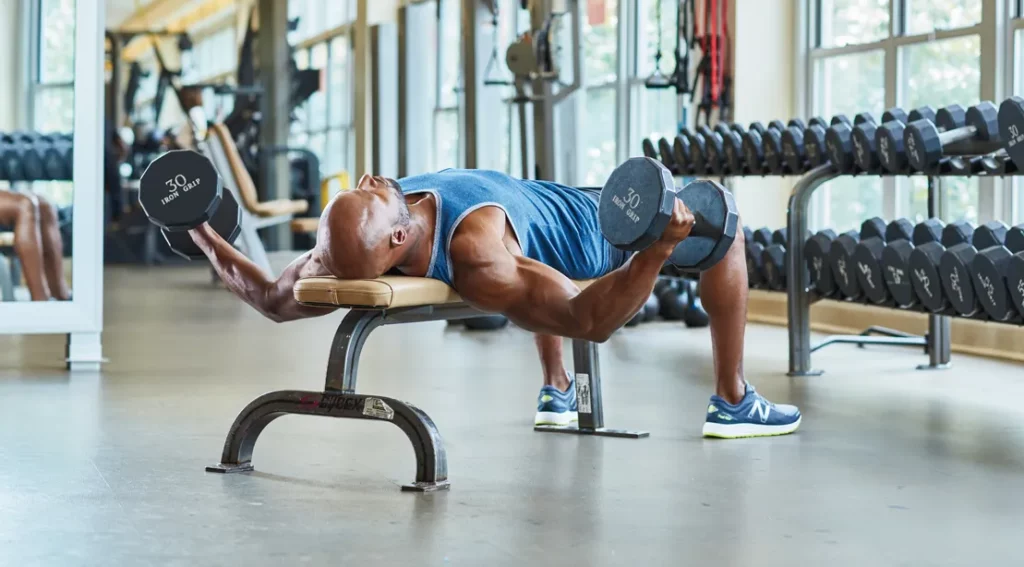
x,y
554,224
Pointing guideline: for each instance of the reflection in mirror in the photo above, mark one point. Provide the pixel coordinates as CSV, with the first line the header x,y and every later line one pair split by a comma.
x,y
36,149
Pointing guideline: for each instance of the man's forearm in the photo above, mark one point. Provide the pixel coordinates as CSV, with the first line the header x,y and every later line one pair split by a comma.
x,y
239,274
611,300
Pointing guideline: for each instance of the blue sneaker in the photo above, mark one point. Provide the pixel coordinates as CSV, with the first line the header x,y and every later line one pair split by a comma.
x,y
754,416
555,407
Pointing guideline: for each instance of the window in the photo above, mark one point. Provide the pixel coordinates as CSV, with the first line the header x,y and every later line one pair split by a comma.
x,y
853,44
655,112
318,17
446,105
52,87
600,104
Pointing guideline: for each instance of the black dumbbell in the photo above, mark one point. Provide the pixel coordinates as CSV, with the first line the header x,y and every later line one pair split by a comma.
x,y
51,150
773,259
840,256
22,162
814,140
649,149
926,145
181,190
755,246
681,153
924,266
733,148
839,143
1011,129
999,163
794,148
867,256
896,261
955,271
667,157
889,136
698,151
715,148
865,151
989,274
756,151
637,203
763,236
1015,281
816,255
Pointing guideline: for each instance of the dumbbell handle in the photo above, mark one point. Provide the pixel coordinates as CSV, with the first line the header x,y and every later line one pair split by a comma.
x,y
956,135
701,227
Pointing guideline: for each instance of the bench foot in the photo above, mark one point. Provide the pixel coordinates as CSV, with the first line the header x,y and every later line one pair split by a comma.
x,y
426,486
600,432
227,468
431,459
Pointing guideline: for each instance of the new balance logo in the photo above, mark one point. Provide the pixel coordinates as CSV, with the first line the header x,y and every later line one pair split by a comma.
x,y
762,409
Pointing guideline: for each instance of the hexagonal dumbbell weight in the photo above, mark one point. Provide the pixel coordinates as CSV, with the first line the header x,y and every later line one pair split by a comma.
x,y
926,145
955,272
865,151
839,143
867,257
990,275
816,254
636,206
889,136
1011,129
840,256
923,263
181,190
773,260
896,261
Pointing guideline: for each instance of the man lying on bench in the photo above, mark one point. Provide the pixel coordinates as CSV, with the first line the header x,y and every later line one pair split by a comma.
x,y
511,246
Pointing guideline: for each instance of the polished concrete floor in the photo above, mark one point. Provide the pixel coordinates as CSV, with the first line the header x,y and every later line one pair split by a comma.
x,y
891,467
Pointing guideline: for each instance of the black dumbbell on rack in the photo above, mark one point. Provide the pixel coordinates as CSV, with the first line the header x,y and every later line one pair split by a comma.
x,y
990,276
927,145
753,146
816,254
20,157
867,257
794,146
814,140
923,264
840,256
865,152
668,159
896,261
649,149
889,136
773,260
774,154
732,147
955,272
839,143
755,246
1011,129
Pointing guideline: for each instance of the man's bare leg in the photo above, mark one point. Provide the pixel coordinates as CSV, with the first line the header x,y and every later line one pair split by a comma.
x,y
556,404
53,249
549,348
20,210
724,296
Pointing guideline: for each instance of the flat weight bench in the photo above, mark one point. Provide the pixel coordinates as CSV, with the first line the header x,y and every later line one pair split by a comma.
x,y
387,301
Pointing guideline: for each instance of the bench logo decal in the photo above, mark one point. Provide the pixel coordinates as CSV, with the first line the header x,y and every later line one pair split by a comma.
x,y
583,393
378,408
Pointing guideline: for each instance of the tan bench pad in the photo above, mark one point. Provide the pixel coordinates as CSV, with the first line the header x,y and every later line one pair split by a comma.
x,y
305,224
382,293
279,207
6,239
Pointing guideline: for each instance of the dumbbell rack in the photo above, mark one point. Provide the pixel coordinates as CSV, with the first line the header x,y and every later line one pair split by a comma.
x,y
800,296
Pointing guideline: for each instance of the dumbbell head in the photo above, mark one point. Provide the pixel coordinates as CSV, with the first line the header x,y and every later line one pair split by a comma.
x,y
889,143
816,121
772,146
896,261
840,261
839,147
667,158
636,206
722,129
795,123
864,147
776,125
1011,125
738,128
793,149
226,221
649,149
895,114
753,151
984,118
715,152
773,265
732,146
951,117
756,127
924,266
954,267
840,119
681,153
755,268
180,190
990,275
814,145
763,236
867,257
816,255
921,113
698,151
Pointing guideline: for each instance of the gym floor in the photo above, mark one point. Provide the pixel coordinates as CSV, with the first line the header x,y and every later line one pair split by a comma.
x,y
892,466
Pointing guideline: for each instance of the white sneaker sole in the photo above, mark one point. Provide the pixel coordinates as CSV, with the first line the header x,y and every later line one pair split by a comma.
x,y
557,419
740,430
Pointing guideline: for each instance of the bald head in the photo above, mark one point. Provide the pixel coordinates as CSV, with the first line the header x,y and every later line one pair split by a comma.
x,y
362,231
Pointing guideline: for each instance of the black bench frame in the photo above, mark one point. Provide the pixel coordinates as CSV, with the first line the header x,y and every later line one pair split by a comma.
x,y
340,400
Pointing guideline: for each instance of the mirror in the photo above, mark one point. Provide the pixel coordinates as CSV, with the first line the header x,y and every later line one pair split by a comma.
x,y
37,65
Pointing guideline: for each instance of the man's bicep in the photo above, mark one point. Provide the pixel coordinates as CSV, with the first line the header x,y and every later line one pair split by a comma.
x,y
532,295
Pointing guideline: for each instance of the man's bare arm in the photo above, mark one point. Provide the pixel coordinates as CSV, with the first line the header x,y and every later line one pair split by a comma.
x,y
540,299
273,298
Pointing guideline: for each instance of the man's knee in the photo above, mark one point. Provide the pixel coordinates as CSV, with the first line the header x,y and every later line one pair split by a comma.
x,y
26,206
